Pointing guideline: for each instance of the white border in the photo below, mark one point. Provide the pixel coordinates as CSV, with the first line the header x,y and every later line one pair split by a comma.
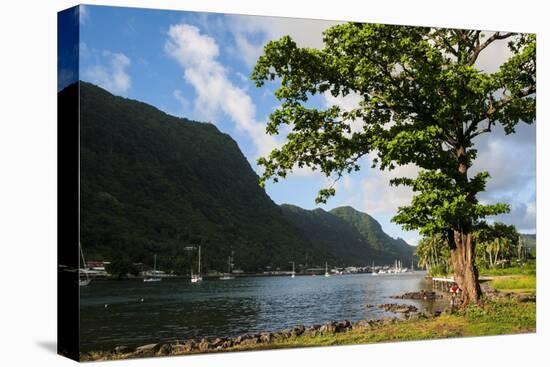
x,y
28,181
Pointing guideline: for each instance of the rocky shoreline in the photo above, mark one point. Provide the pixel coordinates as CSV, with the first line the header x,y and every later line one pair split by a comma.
x,y
206,345
265,339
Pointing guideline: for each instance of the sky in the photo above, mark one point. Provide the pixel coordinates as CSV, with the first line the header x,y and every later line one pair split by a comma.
x,y
198,66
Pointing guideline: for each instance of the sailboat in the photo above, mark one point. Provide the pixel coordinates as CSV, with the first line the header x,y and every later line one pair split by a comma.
x,y
154,277
195,278
326,270
228,276
293,274
88,280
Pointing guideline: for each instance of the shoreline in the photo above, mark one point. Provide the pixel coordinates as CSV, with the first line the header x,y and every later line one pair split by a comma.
x,y
413,325
247,275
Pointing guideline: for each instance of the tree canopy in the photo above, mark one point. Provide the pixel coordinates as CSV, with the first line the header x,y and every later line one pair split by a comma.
x,y
423,101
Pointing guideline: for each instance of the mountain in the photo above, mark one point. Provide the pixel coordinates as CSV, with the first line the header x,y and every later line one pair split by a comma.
x,y
373,235
350,235
152,183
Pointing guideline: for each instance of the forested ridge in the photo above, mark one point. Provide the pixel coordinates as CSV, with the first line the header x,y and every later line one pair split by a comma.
x,y
152,183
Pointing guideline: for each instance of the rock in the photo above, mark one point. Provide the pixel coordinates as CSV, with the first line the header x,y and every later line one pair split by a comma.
x,y
398,308
312,330
122,349
298,330
181,348
238,340
328,328
424,295
204,345
285,334
253,340
148,348
165,349
266,337
343,326
227,344
217,342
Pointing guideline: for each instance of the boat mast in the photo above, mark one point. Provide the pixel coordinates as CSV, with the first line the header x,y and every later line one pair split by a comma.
x,y
199,260
83,261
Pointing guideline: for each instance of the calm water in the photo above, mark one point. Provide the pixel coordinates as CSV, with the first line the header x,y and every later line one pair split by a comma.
x,y
176,309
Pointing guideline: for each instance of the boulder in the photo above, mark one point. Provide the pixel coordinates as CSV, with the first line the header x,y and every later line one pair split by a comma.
x,y
423,295
181,348
298,330
217,342
253,340
148,348
227,344
122,349
328,328
527,298
266,337
312,330
398,308
284,334
343,326
165,349
204,345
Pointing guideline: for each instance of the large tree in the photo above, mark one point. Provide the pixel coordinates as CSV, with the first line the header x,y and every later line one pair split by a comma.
x,y
423,101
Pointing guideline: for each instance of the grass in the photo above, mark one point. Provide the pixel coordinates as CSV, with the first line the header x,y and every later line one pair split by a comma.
x,y
516,284
528,268
494,318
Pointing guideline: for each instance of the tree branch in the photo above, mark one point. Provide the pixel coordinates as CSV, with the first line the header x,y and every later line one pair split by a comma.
x,y
494,108
495,37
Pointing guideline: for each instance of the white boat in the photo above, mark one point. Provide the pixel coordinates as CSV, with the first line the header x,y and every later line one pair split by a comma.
x,y
228,276
293,274
195,278
83,269
326,270
153,278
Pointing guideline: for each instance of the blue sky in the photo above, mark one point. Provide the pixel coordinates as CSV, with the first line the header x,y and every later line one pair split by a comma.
x,y
197,65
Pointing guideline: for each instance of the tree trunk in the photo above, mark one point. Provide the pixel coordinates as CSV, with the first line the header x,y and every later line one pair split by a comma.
x,y
465,271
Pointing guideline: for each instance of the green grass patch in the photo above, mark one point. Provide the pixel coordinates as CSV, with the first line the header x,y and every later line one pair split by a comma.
x,y
520,283
528,268
494,318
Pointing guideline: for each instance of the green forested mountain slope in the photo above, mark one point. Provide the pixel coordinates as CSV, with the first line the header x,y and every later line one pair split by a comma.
x,y
152,183
350,235
373,234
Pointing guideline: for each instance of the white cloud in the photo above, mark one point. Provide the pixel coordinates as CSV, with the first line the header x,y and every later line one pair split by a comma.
x,y
347,103
379,197
197,54
494,55
251,33
83,14
111,74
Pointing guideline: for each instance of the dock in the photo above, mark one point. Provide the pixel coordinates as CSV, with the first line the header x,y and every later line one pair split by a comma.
x,y
443,283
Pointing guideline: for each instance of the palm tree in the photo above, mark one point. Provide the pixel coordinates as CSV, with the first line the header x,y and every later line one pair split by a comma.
x,y
431,253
